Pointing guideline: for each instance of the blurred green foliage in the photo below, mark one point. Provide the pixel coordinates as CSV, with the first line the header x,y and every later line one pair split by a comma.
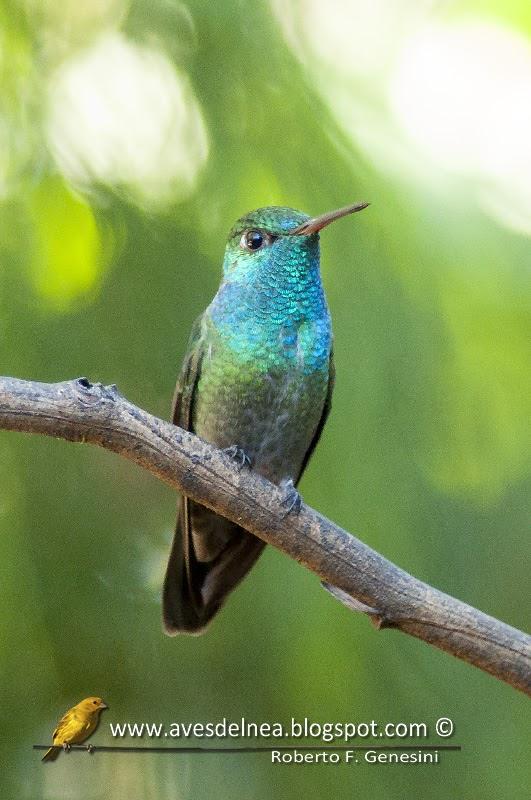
x,y
111,242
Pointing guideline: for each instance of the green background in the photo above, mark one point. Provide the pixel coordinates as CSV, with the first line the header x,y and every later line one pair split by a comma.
x,y
106,260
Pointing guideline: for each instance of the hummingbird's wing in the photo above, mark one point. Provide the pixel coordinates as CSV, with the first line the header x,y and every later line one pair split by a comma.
x,y
324,416
209,554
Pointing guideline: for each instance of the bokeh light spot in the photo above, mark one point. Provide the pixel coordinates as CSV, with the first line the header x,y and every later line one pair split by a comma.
x,y
462,94
67,260
434,101
121,115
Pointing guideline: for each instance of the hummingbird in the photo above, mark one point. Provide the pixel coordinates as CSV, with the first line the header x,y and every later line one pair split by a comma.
x,y
257,382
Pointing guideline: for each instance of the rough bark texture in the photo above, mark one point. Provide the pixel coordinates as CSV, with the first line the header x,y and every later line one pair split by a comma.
x,y
80,411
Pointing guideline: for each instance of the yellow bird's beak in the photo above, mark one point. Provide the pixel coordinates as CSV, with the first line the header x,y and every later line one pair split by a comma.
x,y
103,705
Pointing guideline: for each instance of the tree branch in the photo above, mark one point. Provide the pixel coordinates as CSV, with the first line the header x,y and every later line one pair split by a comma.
x,y
361,578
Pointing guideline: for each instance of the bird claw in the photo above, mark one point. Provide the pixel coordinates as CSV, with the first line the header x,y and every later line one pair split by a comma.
x,y
291,498
237,454
66,747
90,748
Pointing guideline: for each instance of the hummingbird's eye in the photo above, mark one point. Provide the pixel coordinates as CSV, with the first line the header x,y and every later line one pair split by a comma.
x,y
254,240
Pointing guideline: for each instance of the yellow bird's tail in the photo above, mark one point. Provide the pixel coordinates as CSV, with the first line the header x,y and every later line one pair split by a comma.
x,y
51,754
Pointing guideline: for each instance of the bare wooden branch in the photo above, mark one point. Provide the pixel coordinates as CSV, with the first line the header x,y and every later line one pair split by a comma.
x,y
80,411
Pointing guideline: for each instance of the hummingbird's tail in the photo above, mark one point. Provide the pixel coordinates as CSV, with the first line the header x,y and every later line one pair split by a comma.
x,y
208,559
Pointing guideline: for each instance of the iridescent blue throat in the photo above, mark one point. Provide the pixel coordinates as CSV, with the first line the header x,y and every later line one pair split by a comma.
x,y
272,309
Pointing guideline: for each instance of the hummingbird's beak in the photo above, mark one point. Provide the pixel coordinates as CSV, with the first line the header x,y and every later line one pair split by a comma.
x,y
318,223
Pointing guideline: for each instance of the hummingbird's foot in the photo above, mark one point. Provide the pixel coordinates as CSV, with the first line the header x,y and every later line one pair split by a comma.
x,y
90,748
238,455
290,497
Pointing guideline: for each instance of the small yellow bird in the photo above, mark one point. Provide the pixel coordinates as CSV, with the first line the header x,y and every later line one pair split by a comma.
x,y
76,726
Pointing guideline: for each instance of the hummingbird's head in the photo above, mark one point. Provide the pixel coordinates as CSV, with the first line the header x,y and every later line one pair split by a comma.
x,y
276,238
